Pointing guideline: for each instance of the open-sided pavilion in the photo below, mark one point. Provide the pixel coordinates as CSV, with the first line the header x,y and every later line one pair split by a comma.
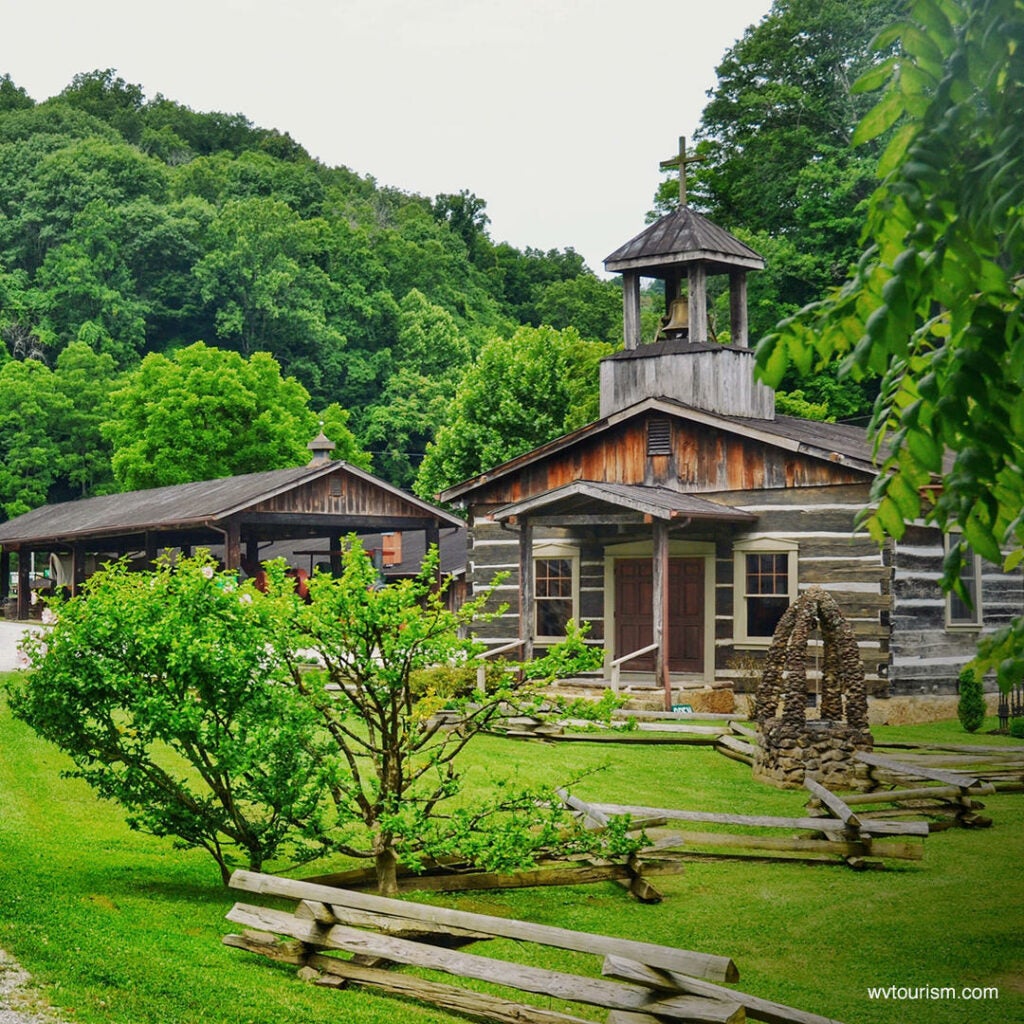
x,y
232,516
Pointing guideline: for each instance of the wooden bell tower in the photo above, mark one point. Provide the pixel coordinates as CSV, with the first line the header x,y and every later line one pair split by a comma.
x,y
684,245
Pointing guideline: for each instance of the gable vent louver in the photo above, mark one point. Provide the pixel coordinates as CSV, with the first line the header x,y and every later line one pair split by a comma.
x,y
659,437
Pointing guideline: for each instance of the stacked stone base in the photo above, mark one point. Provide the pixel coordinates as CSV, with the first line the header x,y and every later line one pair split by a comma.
x,y
786,753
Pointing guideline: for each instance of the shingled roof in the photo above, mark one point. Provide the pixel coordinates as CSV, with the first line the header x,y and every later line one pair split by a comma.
x,y
681,237
191,506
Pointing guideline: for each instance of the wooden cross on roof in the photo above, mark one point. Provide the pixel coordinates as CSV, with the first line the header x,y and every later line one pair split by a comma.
x,y
680,161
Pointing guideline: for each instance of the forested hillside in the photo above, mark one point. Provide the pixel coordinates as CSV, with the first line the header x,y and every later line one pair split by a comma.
x,y
186,294
131,227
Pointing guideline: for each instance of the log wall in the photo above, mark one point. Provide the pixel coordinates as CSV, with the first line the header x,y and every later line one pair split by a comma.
x,y
831,554
927,655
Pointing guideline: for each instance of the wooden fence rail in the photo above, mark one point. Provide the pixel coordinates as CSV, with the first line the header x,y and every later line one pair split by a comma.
x,y
845,840
642,983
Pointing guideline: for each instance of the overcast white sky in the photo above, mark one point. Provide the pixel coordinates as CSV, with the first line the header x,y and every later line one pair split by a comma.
x,y
556,112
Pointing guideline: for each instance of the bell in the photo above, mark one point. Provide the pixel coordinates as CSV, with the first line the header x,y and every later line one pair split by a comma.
x,y
677,323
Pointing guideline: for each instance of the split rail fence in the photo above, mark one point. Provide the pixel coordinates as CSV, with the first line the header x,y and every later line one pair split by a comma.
x,y
831,832
641,982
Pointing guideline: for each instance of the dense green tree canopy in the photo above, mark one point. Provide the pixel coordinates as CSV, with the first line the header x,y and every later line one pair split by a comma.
x,y
778,168
936,306
142,226
204,413
519,393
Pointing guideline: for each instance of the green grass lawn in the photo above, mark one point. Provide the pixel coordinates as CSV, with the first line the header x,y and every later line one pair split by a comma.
x,y
121,927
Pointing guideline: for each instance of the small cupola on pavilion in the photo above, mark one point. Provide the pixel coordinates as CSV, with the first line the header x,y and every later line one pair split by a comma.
x,y
683,361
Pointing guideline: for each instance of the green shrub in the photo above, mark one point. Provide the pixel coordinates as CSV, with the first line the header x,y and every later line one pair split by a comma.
x,y
1017,728
453,681
971,707
570,657
591,710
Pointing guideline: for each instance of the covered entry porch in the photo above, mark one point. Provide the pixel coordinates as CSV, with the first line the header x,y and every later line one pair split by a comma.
x,y
654,594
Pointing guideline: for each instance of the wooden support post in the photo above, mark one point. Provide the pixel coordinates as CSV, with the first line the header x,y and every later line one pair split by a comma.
x,y
23,581
698,282
335,545
659,597
151,551
252,553
527,609
631,308
77,567
5,574
738,308
232,546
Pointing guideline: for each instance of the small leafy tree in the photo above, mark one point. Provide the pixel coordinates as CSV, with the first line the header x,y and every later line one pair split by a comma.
x,y
165,690
399,761
970,709
188,698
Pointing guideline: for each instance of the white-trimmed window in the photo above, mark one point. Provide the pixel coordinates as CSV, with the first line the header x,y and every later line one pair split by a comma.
x,y
556,587
961,614
765,585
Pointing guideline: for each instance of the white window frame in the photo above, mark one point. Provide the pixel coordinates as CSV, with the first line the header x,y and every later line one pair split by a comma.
x,y
759,546
549,550
973,565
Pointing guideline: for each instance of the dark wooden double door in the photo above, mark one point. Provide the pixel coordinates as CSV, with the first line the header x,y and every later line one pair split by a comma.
x,y
634,613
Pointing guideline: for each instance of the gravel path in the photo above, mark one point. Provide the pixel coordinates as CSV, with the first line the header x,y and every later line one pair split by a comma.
x,y
10,636
17,1005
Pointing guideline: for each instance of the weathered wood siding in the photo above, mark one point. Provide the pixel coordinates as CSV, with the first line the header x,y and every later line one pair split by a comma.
x,y
832,554
719,379
702,460
340,494
493,552
927,654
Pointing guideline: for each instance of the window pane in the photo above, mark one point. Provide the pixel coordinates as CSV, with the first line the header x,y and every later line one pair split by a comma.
x,y
553,594
763,614
553,577
768,573
960,612
552,617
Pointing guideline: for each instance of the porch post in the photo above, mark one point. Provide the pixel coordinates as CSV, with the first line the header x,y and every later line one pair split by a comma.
x,y
252,553
660,617
151,551
77,568
5,575
23,594
334,543
526,588
232,546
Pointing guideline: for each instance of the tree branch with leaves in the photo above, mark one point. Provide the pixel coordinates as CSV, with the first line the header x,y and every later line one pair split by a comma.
x,y
936,305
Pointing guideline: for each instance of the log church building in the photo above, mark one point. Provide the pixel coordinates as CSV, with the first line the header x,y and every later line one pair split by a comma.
x,y
684,521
